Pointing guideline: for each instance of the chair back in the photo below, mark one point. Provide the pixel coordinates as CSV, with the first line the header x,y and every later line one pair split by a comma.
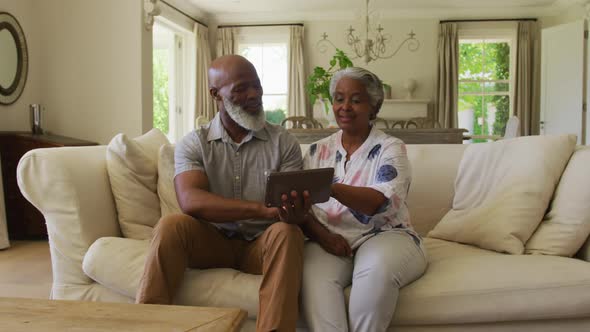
x,y
512,128
300,122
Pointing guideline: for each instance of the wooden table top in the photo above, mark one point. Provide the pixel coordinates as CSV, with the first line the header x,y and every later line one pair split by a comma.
x,y
18,314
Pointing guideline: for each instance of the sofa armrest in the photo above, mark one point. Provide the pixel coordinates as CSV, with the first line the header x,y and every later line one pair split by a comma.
x,y
71,187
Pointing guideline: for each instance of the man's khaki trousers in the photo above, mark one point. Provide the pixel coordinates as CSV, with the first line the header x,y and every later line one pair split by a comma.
x,y
181,241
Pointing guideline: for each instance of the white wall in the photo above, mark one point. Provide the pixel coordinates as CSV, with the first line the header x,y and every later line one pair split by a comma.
x,y
420,65
93,66
573,13
15,117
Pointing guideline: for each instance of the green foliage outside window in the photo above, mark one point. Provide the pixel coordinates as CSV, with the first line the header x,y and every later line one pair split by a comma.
x,y
275,116
502,103
495,66
160,72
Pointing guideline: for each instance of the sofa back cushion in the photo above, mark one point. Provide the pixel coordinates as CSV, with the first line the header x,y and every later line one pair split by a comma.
x,y
567,224
132,166
166,191
434,169
502,191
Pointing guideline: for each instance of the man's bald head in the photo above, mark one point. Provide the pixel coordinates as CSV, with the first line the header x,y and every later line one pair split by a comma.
x,y
229,68
234,85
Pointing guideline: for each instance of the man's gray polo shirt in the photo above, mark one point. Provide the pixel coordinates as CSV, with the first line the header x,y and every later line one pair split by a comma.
x,y
238,170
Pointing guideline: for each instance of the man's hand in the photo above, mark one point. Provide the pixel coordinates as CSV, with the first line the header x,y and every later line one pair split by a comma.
x,y
335,244
295,209
269,213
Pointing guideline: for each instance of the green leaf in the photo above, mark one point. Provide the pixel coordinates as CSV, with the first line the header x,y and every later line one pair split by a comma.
x,y
318,83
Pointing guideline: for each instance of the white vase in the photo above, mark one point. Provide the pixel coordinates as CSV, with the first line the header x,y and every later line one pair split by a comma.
x,y
322,112
410,86
326,106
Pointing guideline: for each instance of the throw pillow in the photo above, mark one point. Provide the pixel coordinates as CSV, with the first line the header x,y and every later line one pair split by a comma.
x,y
166,192
132,166
567,224
502,191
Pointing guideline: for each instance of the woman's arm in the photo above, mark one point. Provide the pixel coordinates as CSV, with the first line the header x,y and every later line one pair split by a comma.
x,y
361,199
332,243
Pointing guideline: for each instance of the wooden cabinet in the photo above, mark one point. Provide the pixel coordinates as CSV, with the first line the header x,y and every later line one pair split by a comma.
x,y
24,220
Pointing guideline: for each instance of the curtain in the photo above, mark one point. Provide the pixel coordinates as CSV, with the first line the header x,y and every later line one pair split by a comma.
x,y
296,97
203,100
225,41
526,106
448,76
3,227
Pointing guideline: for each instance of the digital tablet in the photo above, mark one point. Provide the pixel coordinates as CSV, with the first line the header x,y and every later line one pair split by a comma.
x,y
317,181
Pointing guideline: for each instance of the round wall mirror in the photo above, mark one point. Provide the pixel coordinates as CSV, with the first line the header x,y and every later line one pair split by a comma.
x,y
14,59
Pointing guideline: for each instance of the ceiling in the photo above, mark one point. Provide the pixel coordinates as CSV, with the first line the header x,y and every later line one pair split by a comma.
x,y
228,10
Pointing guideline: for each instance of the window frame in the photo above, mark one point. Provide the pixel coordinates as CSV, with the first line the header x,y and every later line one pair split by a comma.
x,y
180,81
262,36
491,31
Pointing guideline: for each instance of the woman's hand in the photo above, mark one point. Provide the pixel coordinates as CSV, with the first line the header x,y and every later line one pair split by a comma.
x,y
295,209
335,244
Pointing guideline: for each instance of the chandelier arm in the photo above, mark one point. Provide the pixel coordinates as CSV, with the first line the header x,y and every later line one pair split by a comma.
x,y
413,46
354,42
323,44
370,49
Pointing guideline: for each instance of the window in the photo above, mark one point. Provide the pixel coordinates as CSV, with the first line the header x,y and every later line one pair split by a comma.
x,y
170,79
269,55
485,85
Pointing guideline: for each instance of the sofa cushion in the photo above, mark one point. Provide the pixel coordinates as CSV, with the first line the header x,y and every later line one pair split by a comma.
x,y
118,264
584,252
502,191
166,191
434,169
465,284
132,166
567,224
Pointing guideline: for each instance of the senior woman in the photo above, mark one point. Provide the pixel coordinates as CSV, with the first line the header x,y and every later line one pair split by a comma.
x,y
362,235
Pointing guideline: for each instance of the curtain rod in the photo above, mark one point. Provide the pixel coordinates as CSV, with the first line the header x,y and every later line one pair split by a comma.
x,y
490,20
185,14
260,25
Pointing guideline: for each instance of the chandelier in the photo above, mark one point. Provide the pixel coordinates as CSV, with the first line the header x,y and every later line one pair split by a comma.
x,y
374,46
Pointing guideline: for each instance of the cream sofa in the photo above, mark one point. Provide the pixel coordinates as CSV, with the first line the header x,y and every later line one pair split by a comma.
x,y
464,289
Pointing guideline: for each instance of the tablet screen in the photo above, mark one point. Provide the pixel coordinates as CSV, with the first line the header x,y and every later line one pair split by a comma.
x,y
318,182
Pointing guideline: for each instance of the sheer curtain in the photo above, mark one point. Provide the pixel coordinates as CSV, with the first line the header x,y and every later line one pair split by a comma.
x,y
225,41
526,107
203,101
296,98
448,76
3,228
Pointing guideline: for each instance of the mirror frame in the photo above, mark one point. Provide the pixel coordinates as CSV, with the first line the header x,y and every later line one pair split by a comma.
x,y
11,93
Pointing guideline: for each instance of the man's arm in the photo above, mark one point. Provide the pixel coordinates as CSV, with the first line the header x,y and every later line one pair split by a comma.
x,y
194,198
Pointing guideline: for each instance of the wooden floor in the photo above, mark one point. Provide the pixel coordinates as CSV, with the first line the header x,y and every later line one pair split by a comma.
x,y
25,270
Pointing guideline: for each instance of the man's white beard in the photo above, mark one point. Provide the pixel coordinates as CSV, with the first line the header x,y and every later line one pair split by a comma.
x,y
244,119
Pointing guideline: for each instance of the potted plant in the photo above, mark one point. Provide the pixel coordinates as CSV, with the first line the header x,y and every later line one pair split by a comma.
x,y
318,83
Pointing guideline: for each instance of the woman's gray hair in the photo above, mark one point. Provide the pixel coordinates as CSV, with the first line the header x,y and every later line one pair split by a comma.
x,y
369,80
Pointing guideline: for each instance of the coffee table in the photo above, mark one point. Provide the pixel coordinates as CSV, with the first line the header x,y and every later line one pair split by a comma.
x,y
18,314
